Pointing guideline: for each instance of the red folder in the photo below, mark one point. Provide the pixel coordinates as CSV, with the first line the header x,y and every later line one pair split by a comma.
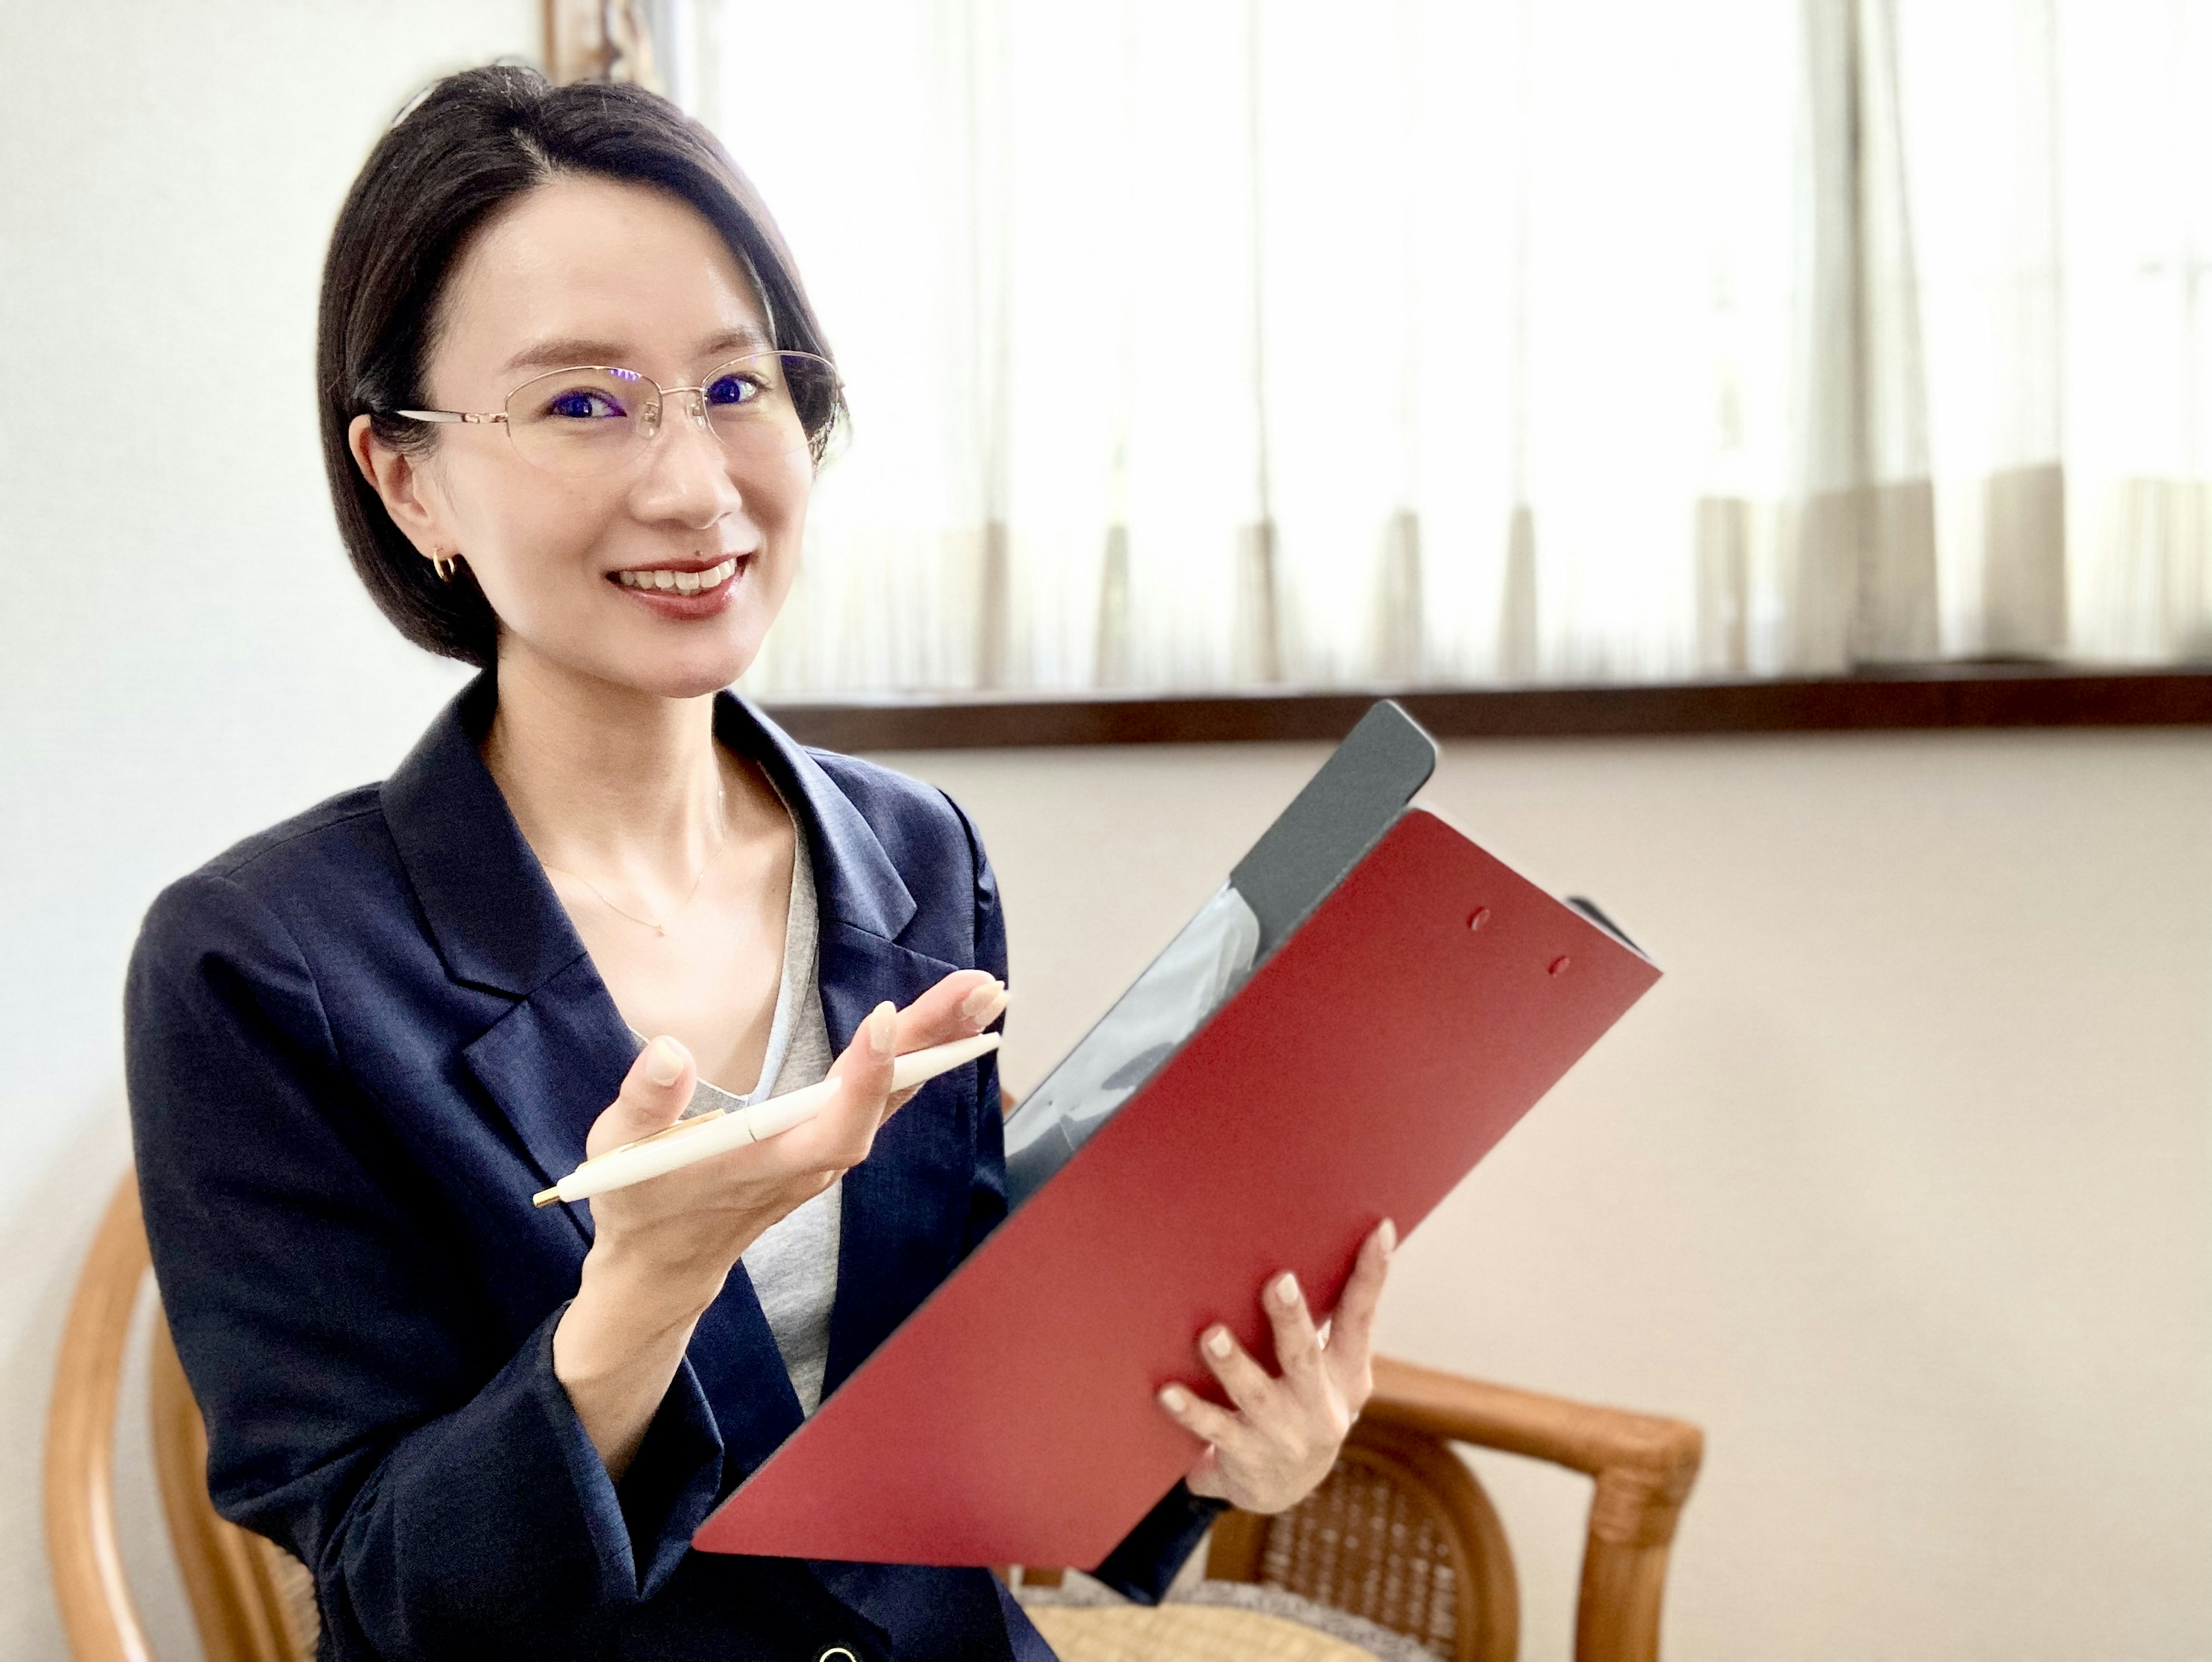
x,y
1360,1073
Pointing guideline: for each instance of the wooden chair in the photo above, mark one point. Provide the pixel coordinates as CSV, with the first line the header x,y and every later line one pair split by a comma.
x,y
251,1600
1399,1533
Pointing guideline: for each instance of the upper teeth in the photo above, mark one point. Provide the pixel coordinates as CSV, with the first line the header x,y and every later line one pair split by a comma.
x,y
683,582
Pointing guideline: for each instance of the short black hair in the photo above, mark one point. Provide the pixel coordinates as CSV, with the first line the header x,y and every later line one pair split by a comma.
x,y
469,144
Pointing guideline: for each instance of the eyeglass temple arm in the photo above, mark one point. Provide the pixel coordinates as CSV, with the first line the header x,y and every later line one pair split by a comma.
x,y
451,414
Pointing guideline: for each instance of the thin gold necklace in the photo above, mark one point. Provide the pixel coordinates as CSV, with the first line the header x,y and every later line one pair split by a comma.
x,y
659,926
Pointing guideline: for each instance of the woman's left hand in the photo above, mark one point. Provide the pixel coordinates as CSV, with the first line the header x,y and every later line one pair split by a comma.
x,y
1280,1443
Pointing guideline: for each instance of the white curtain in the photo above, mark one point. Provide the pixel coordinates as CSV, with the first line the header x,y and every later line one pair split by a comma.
x,y
2059,167
1212,343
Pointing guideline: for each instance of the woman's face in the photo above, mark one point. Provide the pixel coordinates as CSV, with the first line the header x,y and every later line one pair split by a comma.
x,y
585,271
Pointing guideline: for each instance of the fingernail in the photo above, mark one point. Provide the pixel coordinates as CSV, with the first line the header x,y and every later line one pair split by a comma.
x,y
1388,1232
881,1021
990,1012
1286,1289
663,1061
1174,1399
981,1000
1219,1343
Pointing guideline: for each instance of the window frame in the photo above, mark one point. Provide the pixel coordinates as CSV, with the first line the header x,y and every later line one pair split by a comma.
x,y
1918,699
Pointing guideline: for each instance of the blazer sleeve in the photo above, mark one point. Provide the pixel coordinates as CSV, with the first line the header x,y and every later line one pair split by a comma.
x,y
986,1195
1146,1560
362,1409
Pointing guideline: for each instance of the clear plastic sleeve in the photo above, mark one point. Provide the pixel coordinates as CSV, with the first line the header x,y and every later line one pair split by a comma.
x,y
1206,961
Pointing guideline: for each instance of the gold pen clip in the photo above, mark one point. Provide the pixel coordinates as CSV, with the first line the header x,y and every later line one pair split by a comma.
x,y
545,1197
681,1125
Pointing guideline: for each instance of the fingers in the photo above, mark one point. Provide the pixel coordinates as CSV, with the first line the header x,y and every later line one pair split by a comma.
x,y
1297,1346
1245,1380
1352,1326
864,1077
1200,1418
960,1006
865,1065
1283,1434
655,1094
984,1006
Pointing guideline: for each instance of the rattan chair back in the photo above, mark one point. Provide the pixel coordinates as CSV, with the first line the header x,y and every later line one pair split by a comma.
x,y
252,1601
1399,1532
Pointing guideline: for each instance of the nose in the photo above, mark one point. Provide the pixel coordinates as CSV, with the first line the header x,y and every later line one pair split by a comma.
x,y
686,477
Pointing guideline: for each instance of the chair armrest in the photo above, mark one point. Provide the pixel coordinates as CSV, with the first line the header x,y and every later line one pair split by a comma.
x,y
1582,1436
1643,1466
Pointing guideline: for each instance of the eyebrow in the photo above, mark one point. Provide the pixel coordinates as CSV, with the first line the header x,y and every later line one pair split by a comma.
x,y
567,352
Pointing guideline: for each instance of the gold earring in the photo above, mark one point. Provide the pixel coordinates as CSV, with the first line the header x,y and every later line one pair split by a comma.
x,y
443,564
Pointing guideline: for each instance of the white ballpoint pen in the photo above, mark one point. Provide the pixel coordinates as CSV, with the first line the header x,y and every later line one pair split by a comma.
x,y
704,1135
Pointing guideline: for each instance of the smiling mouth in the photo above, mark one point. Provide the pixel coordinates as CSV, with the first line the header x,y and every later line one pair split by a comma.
x,y
679,582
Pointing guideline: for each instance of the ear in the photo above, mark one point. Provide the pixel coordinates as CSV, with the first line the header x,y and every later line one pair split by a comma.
x,y
409,492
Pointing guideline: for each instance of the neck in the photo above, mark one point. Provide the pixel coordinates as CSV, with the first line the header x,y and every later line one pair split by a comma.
x,y
603,778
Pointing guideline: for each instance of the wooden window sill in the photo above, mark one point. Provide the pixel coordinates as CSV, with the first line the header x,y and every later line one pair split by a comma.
x,y
1922,698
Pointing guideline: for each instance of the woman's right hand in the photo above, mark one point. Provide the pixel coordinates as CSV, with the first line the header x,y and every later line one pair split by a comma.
x,y
662,1249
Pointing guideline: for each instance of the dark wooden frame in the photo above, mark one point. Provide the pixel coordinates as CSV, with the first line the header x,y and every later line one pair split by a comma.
x,y
1962,696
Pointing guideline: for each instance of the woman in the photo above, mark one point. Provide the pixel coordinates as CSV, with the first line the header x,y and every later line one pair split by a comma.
x,y
360,1041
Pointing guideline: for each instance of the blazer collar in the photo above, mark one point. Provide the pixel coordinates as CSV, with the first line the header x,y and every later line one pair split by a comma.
x,y
495,919
855,882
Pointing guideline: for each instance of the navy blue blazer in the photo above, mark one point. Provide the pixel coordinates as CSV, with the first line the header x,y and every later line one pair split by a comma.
x,y
357,1045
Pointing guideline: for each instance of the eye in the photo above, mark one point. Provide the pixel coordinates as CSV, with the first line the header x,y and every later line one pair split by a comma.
x,y
585,404
735,386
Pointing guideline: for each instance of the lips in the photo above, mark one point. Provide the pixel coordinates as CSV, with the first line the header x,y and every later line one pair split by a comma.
x,y
687,590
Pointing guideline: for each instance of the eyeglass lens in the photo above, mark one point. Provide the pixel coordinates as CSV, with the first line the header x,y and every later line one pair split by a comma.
x,y
591,420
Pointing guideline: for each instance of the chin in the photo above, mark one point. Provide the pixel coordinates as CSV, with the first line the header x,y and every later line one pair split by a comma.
x,y
690,668
660,657
694,675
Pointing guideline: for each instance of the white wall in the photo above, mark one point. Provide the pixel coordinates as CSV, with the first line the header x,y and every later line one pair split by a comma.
x,y
184,655
1898,1183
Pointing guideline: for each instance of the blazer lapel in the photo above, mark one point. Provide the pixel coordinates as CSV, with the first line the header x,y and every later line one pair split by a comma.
x,y
895,1245
552,1063
559,1054
495,920
854,877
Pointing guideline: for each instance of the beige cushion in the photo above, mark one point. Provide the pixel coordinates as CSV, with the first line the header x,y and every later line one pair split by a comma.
x,y
1184,1633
